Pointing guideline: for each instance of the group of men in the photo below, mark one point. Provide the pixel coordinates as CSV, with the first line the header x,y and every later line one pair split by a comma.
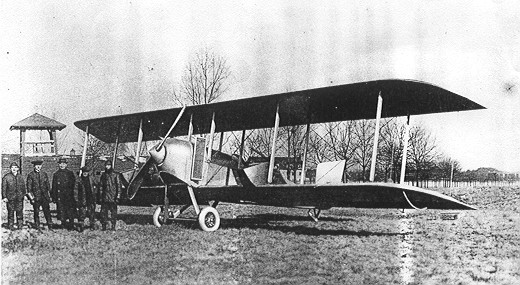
x,y
75,197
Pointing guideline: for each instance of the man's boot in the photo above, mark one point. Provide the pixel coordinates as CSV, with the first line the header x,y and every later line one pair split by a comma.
x,y
104,227
20,224
80,228
37,223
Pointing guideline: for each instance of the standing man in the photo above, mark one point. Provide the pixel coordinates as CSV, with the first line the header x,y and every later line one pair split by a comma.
x,y
38,186
63,182
13,192
111,186
86,192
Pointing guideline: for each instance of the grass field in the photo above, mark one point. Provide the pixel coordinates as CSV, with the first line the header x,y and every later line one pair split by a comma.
x,y
266,245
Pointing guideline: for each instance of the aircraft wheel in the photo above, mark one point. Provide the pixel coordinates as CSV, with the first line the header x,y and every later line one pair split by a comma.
x,y
209,219
158,217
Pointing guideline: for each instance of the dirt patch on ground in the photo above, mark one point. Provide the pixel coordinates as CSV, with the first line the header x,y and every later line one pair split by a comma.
x,y
266,245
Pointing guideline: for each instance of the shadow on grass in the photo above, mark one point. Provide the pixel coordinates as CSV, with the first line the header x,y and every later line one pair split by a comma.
x,y
257,221
263,221
284,217
141,219
135,219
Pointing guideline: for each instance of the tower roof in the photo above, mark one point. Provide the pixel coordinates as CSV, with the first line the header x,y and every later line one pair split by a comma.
x,y
38,122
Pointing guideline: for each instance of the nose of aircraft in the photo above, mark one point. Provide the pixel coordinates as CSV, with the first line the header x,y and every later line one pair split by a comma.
x,y
158,155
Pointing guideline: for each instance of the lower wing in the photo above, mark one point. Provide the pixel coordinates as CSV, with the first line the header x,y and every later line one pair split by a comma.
x,y
355,195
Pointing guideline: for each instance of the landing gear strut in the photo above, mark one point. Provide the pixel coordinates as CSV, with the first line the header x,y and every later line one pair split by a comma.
x,y
158,215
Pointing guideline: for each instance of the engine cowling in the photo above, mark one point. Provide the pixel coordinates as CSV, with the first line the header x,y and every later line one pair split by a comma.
x,y
175,158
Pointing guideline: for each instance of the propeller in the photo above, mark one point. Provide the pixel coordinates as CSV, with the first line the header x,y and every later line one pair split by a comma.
x,y
136,182
171,128
155,154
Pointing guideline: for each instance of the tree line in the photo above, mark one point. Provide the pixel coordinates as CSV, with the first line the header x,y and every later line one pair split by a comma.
x,y
352,141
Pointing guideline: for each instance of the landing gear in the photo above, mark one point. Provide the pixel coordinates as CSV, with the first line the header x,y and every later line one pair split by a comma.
x,y
209,219
314,214
158,215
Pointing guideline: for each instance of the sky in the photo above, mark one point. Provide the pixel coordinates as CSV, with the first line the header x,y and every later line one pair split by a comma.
x,y
74,60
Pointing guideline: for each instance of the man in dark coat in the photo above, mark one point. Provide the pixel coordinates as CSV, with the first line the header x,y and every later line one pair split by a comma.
x,y
111,184
86,191
13,192
63,182
38,186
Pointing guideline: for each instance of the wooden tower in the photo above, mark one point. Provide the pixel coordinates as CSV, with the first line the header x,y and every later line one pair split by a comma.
x,y
42,147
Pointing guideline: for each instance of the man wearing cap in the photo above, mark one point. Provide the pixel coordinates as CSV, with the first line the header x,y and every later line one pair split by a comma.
x,y
63,182
111,188
13,192
86,191
38,186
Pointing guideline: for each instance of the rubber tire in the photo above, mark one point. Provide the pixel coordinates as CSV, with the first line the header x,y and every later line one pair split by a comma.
x,y
202,219
158,217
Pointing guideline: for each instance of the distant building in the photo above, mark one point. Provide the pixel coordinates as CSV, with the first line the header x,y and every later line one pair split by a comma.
x,y
37,140
284,164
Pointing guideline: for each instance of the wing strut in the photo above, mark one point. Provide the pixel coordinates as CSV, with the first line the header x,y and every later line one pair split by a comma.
x,y
139,141
190,188
85,145
116,146
221,142
190,128
241,155
273,149
302,179
210,149
376,138
405,149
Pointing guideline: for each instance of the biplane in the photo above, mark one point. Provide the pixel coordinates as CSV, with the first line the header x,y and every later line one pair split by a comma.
x,y
179,168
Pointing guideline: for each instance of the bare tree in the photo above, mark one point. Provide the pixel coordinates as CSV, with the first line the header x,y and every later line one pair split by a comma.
x,y
259,142
256,143
364,136
340,138
95,149
446,165
204,78
422,152
294,139
391,149
318,146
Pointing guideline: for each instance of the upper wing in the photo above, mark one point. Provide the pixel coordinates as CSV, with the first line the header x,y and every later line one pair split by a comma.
x,y
327,104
